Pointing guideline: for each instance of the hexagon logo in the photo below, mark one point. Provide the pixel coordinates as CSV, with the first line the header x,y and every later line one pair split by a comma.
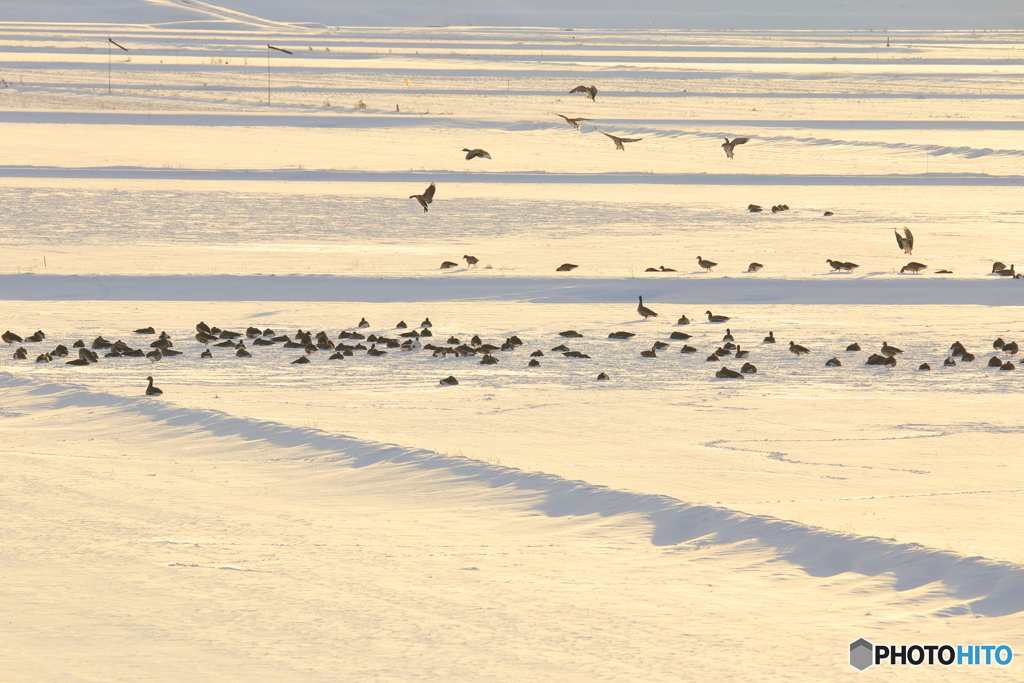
x,y
861,654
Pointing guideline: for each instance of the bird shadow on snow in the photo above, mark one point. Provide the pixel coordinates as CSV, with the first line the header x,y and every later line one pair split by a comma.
x,y
988,588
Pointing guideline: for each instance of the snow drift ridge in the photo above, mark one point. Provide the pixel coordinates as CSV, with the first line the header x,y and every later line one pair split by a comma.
x,y
985,587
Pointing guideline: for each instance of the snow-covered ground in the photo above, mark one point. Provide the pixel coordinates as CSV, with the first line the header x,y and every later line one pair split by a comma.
x,y
352,519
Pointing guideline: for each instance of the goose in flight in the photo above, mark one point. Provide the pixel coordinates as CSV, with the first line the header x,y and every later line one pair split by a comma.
x,y
474,153
730,146
573,122
644,311
426,198
589,89
906,242
618,141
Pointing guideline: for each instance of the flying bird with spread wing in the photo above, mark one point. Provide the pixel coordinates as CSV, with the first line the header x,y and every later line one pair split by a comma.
x,y
906,243
474,153
573,122
589,89
426,198
618,141
730,146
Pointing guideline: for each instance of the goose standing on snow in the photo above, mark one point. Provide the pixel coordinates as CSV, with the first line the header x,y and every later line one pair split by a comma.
x,y
474,153
151,390
798,350
913,267
618,141
426,198
730,146
906,243
590,90
573,122
471,260
644,311
707,265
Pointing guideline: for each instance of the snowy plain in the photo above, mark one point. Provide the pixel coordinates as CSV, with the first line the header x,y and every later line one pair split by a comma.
x,y
354,520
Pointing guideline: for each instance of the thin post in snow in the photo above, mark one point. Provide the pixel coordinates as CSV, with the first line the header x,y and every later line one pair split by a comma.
x,y
269,48
110,41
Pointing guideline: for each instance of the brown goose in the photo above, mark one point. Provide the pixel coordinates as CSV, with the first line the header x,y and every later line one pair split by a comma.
x,y
151,390
590,90
798,350
573,122
730,146
726,373
617,140
997,266
426,198
770,339
906,242
913,267
754,267
471,260
1007,272
890,350
644,311
716,318
707,265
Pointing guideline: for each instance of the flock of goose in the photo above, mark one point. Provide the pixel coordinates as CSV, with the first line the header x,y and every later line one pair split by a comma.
x,y
351,341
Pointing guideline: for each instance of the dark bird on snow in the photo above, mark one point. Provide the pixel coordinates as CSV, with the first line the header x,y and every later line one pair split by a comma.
x,y
618,141
833,363
949,361
620,335
570,333
301,360
145,330
603,376
1007,272
474,153
913,267
798,350
533,363
853,347
726,373
679,335
363,323
11,338
994,362
667,270
151,390
644,311
890,350
426,198
717,318
590,90
688,349
488,360
754,208
565,267
906,242
574,122
683,320
574,354
829,213
206,354
730,146
707,265
924,366
842,265
1010,348
741,353
728,335
770,339
449,264
997,266
471,260
748,368
1008,366
651,270
22,354
449,381
754,267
